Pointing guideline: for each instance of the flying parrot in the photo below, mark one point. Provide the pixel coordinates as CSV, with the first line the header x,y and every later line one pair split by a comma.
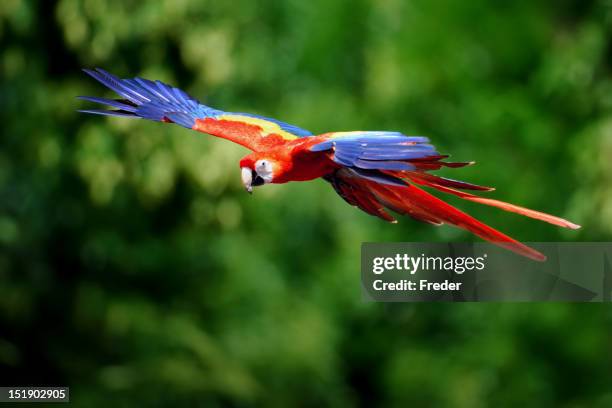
x,y
375,171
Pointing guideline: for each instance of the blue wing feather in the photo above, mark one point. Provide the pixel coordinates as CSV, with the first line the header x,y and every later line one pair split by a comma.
x,y
155,100
109,102
376,150
105,112
320,147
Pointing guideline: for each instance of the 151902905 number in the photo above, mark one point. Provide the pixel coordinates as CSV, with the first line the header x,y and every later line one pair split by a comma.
x,y
36,393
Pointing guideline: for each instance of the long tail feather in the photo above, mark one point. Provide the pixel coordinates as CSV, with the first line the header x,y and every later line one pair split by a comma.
x,y
447,188
418,203
433,181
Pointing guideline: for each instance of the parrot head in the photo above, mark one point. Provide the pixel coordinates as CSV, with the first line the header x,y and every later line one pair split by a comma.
x,y
257,171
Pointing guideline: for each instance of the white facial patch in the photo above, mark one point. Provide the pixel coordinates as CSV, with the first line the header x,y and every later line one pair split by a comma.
x,y
263,168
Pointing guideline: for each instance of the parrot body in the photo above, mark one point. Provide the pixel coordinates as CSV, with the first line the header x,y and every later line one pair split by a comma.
x,y
375,171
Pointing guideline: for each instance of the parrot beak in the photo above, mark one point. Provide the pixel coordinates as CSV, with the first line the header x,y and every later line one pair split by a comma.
x,y
247,179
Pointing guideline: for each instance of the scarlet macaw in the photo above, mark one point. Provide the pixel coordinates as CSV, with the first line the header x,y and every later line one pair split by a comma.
x,y
374,171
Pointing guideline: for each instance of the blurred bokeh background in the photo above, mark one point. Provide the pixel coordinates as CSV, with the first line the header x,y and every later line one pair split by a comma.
x,y
135,269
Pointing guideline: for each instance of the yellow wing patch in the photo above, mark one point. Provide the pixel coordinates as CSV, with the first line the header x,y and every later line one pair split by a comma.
x,y
364,133
266,126
338,135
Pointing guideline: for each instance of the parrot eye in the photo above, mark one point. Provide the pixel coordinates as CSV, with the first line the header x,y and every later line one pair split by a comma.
x,y
263,166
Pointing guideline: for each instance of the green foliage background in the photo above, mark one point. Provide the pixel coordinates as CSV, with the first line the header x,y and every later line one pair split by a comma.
x,y
134,268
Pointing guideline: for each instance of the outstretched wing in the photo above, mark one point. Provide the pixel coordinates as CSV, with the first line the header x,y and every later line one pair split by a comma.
x,y
378,167
376,150
154,100
369,155
392,158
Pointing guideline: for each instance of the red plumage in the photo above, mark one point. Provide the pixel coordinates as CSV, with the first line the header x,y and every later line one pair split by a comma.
x,y
428,208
